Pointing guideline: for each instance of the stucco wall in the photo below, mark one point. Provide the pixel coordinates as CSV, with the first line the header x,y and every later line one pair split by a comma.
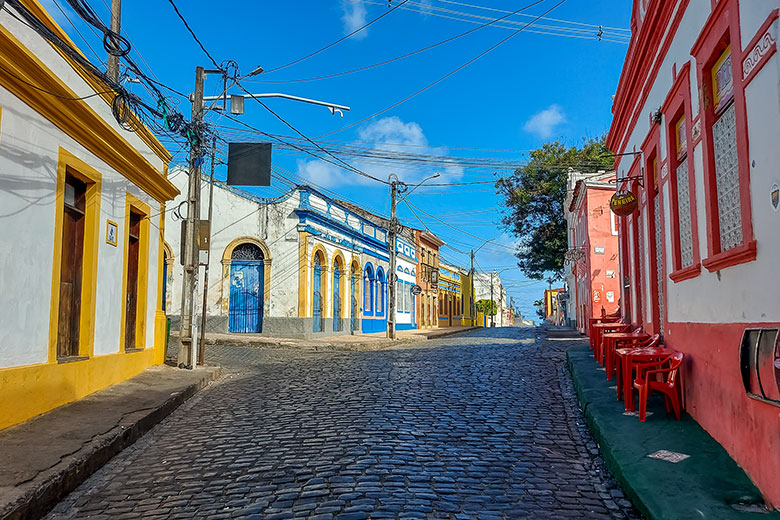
x,y
29,150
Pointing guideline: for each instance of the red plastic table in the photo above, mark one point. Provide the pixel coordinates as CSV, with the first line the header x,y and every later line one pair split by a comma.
x,y
599,329
616,340
628,357
592,332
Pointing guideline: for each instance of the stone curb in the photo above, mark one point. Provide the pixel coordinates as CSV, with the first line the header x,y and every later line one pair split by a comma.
x,y
72,470
347,346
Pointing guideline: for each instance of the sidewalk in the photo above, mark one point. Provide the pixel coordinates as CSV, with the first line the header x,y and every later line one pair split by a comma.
x,y
371,341
45,458
707,484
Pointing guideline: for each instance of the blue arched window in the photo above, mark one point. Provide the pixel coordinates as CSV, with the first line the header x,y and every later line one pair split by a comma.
x,y
368,290
381,291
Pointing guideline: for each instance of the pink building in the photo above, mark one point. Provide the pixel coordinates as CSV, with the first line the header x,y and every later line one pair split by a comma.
x,y
594,242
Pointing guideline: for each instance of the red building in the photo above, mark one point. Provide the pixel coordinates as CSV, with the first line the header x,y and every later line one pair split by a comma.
x,y
593,240
696,128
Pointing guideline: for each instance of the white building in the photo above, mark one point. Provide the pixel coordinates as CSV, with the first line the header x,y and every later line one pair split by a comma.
x,y
483,283
696,130
301,264
81,245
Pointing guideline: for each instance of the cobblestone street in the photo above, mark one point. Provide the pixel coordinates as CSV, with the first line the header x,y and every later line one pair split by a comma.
x,y
481,425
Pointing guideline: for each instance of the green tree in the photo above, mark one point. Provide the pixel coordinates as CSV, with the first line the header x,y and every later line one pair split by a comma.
x,y
488,307
539,304
534,197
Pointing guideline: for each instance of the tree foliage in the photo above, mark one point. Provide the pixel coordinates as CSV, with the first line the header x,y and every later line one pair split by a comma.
x,y
534,197
488,307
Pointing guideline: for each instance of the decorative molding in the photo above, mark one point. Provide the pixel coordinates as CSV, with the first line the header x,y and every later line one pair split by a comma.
x,y
758,53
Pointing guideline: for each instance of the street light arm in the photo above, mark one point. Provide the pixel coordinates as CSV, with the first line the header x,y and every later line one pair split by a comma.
x,y
332,106
420,184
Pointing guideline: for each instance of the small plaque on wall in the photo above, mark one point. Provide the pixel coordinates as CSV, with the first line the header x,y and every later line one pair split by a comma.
x,y
112,232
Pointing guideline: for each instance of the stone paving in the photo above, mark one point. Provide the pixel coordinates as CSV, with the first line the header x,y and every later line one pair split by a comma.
x,y
482,425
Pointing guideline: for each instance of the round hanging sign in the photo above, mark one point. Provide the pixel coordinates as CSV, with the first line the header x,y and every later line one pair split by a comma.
x,y
623,203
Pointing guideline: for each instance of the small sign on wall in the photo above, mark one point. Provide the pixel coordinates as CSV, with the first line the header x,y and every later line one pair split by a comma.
x,y
599,250
112,232
774,196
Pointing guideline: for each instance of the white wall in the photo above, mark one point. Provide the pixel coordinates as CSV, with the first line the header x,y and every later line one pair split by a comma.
x,y
29,150
746,292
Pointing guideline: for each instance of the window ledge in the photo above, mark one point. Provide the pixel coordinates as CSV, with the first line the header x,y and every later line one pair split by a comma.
x,y
71,359
131,350
738,255
686,273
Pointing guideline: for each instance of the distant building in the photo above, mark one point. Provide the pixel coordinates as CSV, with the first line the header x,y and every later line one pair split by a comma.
x,y
428,246
593,255
450,295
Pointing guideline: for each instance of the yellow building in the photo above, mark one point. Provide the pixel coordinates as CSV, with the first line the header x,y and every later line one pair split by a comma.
x,y
81,245
450,296
466,292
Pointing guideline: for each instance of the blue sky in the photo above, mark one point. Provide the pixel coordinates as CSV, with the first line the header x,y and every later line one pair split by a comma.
x,y
531,89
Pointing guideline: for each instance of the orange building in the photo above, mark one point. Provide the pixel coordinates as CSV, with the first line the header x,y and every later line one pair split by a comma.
x,y
594,239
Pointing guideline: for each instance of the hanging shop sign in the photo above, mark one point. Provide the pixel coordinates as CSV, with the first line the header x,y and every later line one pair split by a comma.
x,y
623,203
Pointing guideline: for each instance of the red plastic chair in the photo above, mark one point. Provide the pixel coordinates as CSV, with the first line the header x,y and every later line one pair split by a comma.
x,y
653,341
645,382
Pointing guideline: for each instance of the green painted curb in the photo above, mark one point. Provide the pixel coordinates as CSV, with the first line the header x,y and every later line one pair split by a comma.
x,y
707,485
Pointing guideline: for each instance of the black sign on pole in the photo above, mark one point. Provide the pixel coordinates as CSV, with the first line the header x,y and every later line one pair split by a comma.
x,y
249,164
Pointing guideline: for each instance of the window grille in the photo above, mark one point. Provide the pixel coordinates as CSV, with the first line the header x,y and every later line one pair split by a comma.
x,y
724,136
659,236
684,215
246,251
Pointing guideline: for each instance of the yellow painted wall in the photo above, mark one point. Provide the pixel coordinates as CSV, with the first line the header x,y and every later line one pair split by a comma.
x,y
32,390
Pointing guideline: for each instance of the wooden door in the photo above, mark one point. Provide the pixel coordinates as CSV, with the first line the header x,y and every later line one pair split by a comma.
x,y
71,267
131,295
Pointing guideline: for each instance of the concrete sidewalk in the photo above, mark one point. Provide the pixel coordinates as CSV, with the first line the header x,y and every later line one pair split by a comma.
x,y
705,484
43,459
371,341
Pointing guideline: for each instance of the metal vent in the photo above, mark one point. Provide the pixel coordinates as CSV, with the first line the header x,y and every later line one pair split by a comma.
x,y
760,364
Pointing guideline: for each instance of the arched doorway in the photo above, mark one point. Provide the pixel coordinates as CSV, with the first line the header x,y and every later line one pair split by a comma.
x,y
354,287
338,272
316,303
246,289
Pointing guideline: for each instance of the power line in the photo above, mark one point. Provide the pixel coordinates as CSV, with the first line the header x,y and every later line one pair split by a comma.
x,y
460,67
291,127
408,54
54,94
194,36
337,41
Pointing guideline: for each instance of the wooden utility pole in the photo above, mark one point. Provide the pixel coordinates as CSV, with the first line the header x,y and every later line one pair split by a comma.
x,y
112,67
392,276
202,340
191,227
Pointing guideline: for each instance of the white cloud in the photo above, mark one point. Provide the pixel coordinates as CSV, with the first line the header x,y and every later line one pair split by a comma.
x,y
354,17
326,174
385,137
393,130
545,123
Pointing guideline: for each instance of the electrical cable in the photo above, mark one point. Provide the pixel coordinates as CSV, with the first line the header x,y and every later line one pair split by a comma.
x,y
337,41
194,36
460,67
36,87
289,125
408,54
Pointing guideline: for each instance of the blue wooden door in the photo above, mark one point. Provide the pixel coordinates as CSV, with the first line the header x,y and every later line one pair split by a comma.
x,y
316,304
336,299
353,303
246,297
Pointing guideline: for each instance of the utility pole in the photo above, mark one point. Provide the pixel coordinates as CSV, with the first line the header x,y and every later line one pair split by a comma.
x,y
473,300
112,68
191,227
202,340
492,315
391,235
